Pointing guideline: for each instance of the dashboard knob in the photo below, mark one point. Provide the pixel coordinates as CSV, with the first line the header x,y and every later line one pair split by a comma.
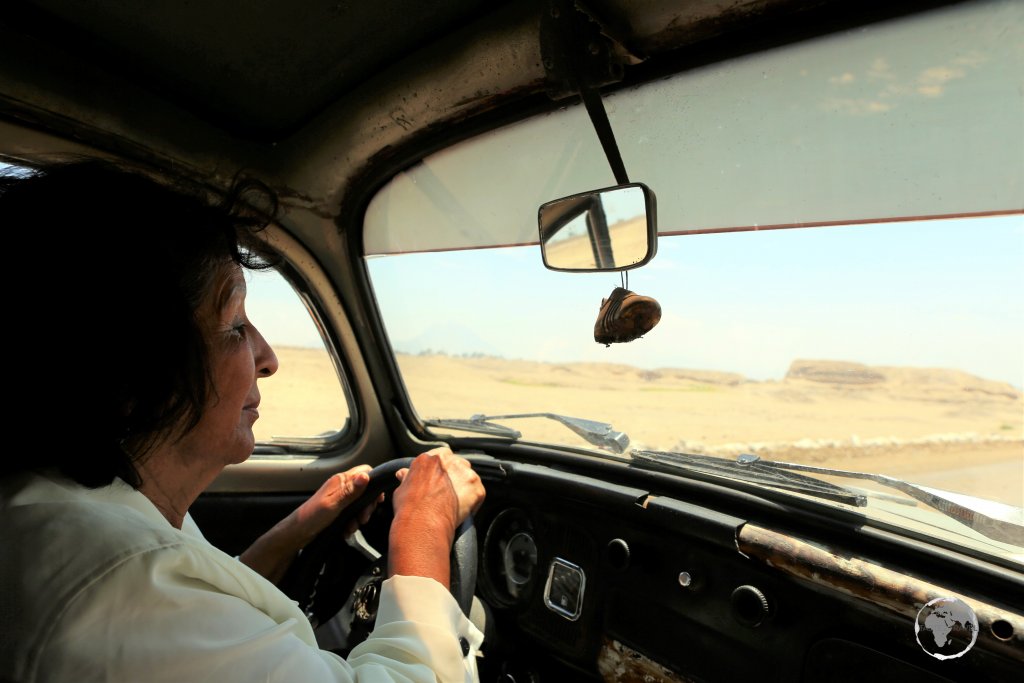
x,y
750,606
617,554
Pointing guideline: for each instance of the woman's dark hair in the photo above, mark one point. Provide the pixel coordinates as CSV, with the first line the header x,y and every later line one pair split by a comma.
x,y
106,268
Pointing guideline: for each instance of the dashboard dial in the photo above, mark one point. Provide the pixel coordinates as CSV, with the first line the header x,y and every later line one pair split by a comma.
x,y
520,557
510,557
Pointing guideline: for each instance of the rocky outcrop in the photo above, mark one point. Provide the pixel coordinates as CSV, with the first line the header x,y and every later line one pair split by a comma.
x,y
932,384
730,379
834,372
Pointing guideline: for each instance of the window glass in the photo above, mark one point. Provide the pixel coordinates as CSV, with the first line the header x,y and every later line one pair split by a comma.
x,y
882,332
847,345
305,398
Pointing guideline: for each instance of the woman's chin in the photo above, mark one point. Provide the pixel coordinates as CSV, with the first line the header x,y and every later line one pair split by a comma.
x,y
241,451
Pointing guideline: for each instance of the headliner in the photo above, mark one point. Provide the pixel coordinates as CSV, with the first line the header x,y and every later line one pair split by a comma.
x,y
261,69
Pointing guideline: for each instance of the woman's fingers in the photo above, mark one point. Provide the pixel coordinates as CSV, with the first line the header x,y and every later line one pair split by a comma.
x,y
466,482
342,489
323,507
441,484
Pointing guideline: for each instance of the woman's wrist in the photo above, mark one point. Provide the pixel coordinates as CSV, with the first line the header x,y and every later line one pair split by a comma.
x,y
420,545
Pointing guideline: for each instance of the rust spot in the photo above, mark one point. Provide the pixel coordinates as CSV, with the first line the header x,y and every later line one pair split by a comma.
x,y
618,663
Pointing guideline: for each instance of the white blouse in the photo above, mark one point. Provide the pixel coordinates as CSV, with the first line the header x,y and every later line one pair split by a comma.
x,y
96,585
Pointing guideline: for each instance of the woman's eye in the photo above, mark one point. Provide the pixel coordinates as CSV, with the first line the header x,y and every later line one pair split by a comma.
x,y
239,329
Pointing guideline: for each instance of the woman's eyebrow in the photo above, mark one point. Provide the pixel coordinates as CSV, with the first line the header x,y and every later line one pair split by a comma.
x,y
229,294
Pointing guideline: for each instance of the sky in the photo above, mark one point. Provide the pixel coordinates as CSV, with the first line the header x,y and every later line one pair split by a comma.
x,y
942,293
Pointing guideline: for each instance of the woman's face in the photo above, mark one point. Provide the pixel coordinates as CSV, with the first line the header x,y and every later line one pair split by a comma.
x,y
239,355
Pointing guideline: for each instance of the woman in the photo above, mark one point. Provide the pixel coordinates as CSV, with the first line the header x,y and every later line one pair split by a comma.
x,y
139,354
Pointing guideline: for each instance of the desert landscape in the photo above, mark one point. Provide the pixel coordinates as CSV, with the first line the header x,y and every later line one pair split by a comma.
x,y
936,427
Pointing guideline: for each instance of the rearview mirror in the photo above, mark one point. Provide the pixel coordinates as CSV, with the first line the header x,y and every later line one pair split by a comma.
x,y
604,230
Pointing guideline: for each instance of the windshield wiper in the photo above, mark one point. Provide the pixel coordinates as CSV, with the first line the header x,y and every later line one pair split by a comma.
x,y
994,528
752,472
600,434
763,471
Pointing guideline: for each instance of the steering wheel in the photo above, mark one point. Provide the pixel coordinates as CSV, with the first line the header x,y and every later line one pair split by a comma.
x,y
329,572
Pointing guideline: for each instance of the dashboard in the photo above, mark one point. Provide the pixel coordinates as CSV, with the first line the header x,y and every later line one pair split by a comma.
x,y
592,580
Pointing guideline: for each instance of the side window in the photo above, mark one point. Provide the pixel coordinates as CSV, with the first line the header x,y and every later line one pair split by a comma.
x,y
306,398
306,401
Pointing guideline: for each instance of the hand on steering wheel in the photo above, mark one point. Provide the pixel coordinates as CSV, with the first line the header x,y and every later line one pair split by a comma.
x,y
323,575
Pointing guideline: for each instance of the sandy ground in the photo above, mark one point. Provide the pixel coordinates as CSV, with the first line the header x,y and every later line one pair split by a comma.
x,y
936,427
628,244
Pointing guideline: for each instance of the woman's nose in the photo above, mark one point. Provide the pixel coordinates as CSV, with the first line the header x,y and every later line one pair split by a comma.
x,y
264,356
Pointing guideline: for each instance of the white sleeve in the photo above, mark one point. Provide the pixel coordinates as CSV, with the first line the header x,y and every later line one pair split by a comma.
x,y
174,614
419,621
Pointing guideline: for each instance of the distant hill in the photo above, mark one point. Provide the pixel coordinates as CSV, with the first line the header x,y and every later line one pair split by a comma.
x,y
918,381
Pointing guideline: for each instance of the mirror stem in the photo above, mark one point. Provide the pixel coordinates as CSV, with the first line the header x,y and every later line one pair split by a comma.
x,y
599,117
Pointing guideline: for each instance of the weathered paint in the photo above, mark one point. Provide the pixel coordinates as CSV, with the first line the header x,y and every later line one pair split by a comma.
x,y
870,582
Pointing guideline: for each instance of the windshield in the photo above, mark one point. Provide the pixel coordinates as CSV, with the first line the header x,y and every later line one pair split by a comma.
x,y
840,264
